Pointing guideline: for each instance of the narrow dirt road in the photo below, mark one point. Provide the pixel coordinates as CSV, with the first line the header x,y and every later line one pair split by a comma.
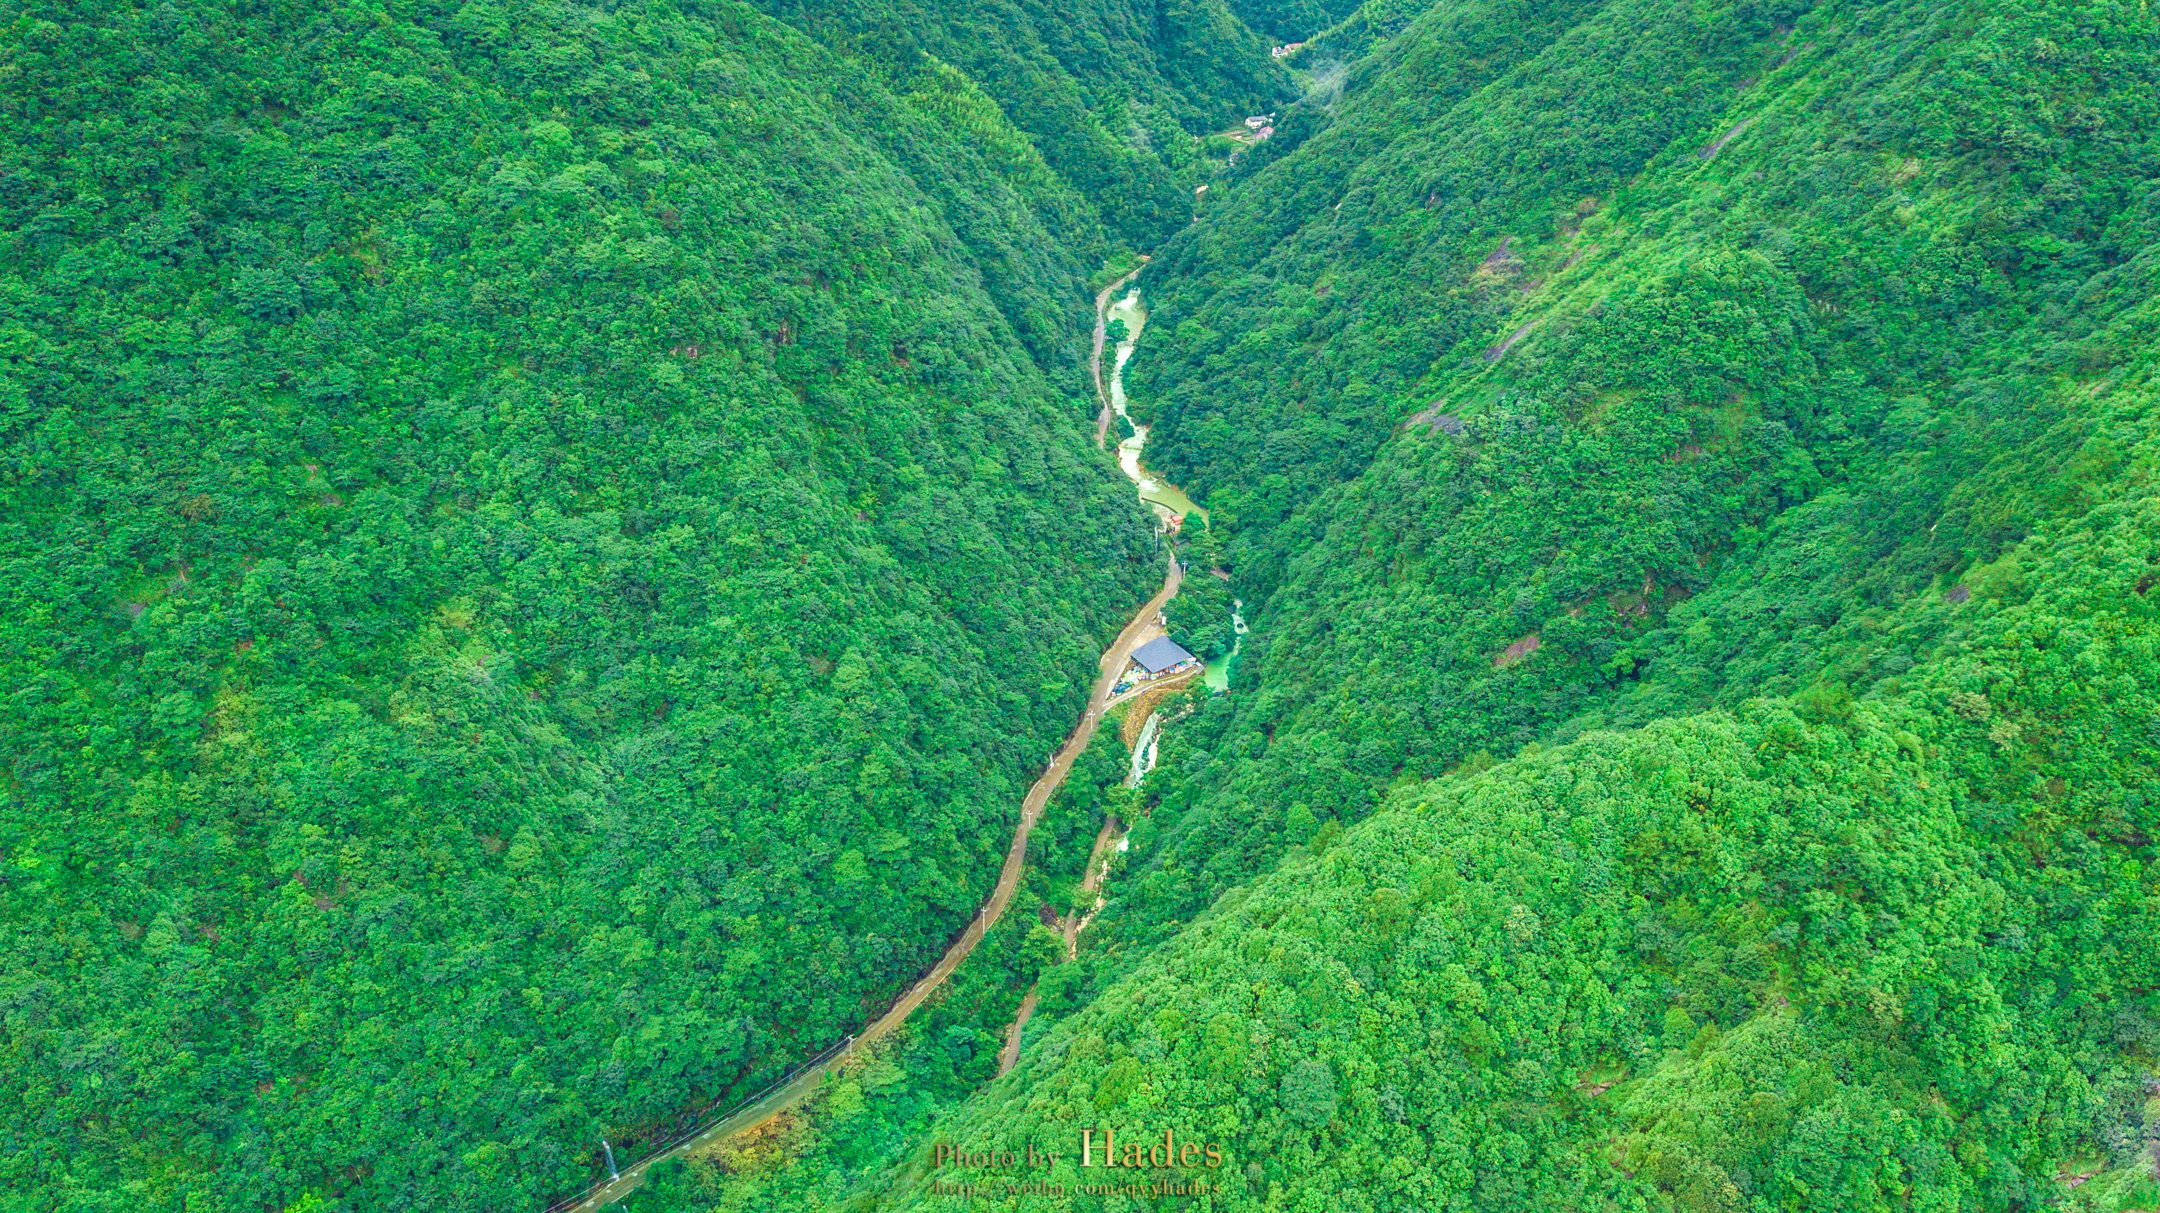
x,y
1098,870
1009,1056
799,1087
1068,924
1499,351
796,1089
1710,153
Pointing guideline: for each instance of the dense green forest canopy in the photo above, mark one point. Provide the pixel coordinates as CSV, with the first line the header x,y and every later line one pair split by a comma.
x,y
544,543
1692,470
1293,21
1893,954
1113,93
498,499
1638,366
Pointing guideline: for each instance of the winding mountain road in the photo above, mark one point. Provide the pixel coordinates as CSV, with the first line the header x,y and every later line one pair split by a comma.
x,y
798,1087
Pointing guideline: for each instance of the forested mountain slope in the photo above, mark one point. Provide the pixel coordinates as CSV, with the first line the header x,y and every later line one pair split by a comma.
x,y
1578,384
1740,422
1292,20
1894,954
1111,92
544,542
497,504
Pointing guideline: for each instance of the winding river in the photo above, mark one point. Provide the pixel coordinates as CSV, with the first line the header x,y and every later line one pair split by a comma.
x,y
797,1087
1173,508
1217,673
1170,502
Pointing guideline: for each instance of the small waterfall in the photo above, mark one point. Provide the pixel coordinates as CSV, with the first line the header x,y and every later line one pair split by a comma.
x,y
609,1150
1143,751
